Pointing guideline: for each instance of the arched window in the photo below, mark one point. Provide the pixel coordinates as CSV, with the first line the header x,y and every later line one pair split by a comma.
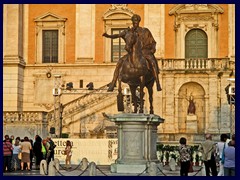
x,y
196,44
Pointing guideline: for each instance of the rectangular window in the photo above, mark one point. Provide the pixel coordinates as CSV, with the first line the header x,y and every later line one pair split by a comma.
x,y
50,46
118,46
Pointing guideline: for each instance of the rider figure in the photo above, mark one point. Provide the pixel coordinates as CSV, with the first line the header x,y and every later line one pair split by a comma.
x,y
148,50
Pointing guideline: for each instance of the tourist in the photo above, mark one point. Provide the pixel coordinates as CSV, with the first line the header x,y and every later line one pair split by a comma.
x,y
16,151
12,139
229,158
45,147
185,156
7,154
31,154
50,151
68,153
208,149
37,149
26,147
219,151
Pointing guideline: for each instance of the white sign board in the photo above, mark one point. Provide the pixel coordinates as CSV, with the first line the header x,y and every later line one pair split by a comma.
x,y
100,151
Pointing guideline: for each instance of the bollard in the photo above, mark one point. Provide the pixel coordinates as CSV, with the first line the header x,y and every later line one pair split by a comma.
x,y
51,169
152,169
43,167
203,171
84,164
160,166
57,163
93,170
172,164
160,169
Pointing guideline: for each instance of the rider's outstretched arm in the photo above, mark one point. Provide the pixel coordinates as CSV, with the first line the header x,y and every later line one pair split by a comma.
x,y
113,36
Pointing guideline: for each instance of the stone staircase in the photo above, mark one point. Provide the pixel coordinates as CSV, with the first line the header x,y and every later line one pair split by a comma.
x,y
88,105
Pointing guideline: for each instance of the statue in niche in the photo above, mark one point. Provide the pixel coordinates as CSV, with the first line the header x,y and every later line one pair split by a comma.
x,y
191,106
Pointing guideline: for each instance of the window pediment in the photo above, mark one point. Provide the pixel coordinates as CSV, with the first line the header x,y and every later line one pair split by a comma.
x,y
118,11
49,17
118,16
196,9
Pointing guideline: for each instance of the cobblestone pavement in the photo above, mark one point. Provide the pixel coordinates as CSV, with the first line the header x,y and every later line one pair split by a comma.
x,y
104,171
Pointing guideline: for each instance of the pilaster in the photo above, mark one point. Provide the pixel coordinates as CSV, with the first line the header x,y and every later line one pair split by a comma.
x,y
85,32
13,63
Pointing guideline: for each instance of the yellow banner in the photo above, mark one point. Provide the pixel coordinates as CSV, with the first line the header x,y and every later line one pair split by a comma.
x,y
100,151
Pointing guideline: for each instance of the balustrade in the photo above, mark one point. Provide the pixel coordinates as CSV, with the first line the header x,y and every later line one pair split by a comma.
x,y
196,64
25,116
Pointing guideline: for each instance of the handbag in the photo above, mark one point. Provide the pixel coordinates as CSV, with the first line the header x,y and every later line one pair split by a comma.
x,y
190,169
20,155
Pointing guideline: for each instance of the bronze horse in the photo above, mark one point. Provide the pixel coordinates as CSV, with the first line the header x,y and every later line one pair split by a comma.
x,y
135,72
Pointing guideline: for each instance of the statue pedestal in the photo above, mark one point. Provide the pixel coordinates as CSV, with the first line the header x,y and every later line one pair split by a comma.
x,y
137,136
191,124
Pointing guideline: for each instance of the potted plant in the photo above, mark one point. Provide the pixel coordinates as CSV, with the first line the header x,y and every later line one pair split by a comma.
x,y
162,157
167,157
197,160
160,148
174,156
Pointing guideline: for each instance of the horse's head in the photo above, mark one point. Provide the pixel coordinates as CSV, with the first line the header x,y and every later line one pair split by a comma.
x,y
130,40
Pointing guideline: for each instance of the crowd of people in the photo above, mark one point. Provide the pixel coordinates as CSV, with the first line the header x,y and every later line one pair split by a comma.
x,y
214,154
18,153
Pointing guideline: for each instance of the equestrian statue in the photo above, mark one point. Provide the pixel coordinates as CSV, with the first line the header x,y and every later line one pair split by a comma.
x,y
138,68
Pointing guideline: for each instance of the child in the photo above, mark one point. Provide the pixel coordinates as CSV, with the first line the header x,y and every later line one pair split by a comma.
x,y
68,153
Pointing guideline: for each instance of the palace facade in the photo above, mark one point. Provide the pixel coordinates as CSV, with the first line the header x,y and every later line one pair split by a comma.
x,y
51,52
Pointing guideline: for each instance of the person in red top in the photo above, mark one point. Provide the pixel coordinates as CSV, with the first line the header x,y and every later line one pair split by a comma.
x,y
7,154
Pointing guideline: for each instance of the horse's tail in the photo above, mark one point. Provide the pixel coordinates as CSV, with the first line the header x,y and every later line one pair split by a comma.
x,y
149,78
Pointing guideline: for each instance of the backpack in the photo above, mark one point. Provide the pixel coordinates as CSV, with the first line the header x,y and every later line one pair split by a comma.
x,y
43,149
223,154
52,145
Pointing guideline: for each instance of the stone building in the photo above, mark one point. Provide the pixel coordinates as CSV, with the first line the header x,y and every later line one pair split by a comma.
x,y
48,48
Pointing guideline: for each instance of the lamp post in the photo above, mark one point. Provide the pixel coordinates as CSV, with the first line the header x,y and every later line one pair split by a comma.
x,y
57,91
61,117
230,91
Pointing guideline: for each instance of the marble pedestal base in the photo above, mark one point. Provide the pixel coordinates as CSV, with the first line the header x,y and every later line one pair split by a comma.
x,y
137,136
191,124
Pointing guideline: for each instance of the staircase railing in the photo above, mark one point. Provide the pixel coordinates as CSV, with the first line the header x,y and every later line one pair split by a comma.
x,y
92,97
